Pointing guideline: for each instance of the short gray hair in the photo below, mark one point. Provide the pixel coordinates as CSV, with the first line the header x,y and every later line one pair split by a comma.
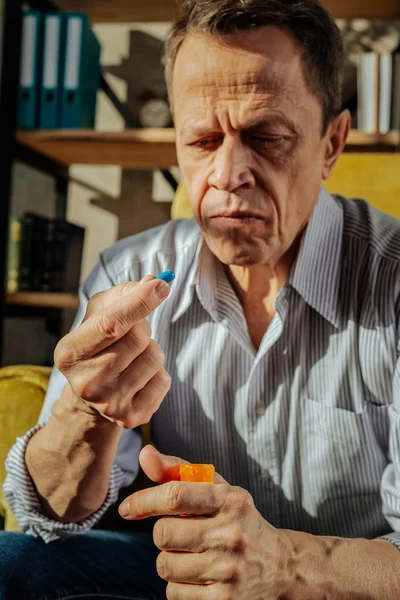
x,y
311,24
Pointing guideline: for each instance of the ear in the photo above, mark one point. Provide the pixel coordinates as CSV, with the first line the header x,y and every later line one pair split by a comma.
x,y
336,138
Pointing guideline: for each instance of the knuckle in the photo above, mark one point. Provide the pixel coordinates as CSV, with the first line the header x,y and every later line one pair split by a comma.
x,y
93,304
143,307
156,353
88,390
139,338
164,380
236,539
160,535
110,325
240,500
228,570
174,496
63,356
162,567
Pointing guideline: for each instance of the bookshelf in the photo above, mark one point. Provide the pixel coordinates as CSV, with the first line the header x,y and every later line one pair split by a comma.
x,y
119,11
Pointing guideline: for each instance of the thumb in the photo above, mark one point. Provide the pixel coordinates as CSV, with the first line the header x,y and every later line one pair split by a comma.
x,y
162,467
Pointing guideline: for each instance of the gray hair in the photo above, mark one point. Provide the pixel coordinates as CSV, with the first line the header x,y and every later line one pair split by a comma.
x,y
311,24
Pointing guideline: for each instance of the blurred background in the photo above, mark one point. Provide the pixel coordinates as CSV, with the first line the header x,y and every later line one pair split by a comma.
x,y
88,143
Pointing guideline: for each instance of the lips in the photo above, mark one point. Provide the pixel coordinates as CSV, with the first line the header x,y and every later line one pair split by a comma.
x,y
238,215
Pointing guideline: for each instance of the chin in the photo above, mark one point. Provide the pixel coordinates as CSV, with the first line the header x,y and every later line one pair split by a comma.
x,y
240,257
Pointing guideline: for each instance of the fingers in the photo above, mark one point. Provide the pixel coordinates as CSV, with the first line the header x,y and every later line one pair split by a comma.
x,y
108,297
107,326
115,359
200,534
191,534
206,568
147,401
175,498
181,591
142,370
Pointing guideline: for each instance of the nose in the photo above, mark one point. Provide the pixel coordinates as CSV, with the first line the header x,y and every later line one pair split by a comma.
x,y
231,169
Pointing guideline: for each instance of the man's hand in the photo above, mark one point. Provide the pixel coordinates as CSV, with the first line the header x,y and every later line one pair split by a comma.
x,y
110,361
222,549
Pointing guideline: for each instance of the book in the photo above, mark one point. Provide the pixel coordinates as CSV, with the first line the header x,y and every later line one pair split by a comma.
x,y
368,66
13,255
30,69
395,112
81,75
44,254
62,257
385,92
31,250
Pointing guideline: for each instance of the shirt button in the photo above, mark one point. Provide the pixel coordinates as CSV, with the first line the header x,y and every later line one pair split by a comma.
x,y
263,475
261,410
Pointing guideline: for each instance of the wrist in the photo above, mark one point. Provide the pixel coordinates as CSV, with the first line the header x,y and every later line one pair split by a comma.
x,y
70,407
308,566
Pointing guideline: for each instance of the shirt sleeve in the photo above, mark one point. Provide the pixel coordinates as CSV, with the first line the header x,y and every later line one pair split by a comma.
x,y
18,487
390,486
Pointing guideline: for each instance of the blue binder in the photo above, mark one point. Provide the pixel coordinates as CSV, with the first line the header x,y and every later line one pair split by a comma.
x,y
51,79
29,78
81,79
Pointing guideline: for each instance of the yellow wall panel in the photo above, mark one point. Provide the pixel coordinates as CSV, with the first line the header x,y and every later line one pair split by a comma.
x,y
373,177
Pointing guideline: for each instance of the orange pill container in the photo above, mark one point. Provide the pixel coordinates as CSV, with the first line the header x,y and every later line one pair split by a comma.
x,y
197,472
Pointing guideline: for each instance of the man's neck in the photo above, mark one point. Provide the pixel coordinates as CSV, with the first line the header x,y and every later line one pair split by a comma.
x,y
257,288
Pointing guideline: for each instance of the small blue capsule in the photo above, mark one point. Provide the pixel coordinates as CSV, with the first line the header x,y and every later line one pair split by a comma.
x,y
167,276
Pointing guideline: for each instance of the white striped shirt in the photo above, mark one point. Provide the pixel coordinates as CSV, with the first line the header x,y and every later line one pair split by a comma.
x,y
310,423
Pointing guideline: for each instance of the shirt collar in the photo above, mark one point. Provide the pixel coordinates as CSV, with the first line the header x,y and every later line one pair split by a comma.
x,y
185,299
316,273
202,279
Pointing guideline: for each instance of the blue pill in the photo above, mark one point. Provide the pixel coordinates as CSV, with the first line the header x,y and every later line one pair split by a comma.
x,y
167,276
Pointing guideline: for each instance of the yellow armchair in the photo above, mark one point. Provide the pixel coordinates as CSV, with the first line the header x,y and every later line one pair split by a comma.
x,y
22,391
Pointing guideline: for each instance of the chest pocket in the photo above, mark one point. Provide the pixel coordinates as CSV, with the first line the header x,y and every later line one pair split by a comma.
x,y
336,455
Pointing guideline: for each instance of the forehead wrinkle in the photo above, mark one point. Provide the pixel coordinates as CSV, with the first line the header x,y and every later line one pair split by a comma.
x,y
229,84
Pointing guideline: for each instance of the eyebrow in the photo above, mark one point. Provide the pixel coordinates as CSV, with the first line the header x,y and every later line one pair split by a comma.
x,y
257,123
260,123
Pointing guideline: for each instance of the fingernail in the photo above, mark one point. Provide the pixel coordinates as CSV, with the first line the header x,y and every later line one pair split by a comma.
x,y
124,509
162,289
167,276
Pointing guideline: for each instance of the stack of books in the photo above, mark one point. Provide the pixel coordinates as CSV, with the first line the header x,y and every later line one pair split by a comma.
x,y
44,255
60,71
378,92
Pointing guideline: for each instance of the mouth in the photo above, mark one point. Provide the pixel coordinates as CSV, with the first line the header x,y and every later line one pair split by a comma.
x,y
239,216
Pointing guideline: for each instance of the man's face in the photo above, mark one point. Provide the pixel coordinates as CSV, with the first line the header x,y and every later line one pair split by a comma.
x,y
249,142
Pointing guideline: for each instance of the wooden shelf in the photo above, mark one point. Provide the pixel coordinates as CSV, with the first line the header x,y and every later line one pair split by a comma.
x,y
370,142
363,9
43,299
131,149
148,148
125,11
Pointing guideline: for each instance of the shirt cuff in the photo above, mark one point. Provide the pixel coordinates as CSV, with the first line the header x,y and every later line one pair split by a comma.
x,y
392,537
24,502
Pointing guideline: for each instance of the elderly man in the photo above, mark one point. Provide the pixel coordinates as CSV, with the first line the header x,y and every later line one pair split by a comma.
x,y
281,341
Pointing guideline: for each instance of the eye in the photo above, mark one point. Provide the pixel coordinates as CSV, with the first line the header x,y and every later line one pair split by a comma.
x,y
267,140
206,143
